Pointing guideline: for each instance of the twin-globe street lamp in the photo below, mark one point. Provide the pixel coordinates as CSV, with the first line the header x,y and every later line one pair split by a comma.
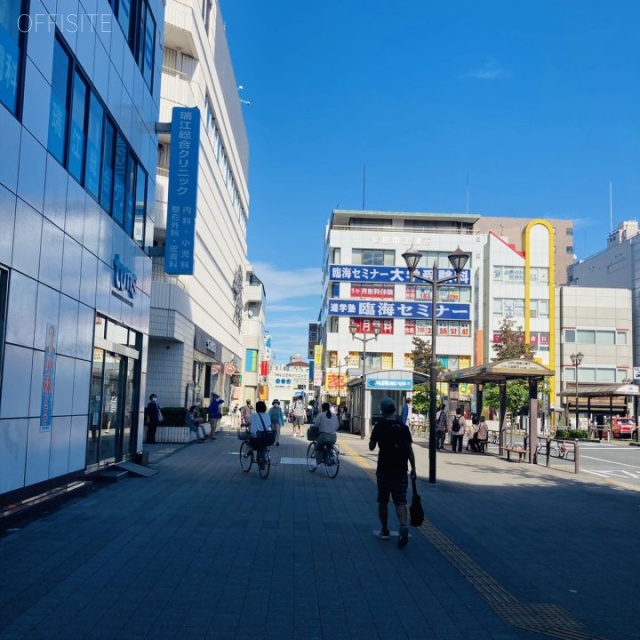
x,y
353,328
576,359
458,260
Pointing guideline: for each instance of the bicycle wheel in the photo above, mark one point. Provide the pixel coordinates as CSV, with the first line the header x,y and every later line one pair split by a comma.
x,y
246,457
264,463
332,461
311,458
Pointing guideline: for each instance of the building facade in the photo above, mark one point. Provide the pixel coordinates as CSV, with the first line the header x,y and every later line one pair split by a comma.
x,y
79,100
196,342
366,281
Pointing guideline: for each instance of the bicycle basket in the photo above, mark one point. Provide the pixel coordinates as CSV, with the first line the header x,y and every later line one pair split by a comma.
x,y
313,433
243,434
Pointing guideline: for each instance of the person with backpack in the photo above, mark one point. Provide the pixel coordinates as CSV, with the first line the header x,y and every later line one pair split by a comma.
x,y
458,427
442,422
395,443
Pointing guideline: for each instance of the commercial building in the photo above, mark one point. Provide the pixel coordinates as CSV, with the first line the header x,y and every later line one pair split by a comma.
x,y
79,100
366,282
196,343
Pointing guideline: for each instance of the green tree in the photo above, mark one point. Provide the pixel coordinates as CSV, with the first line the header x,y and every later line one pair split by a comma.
x,y
421,355
512,345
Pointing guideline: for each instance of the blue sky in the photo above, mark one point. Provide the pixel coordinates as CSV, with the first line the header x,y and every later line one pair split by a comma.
x,y
536,101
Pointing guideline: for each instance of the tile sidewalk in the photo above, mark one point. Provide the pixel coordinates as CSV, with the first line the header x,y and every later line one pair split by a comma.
x,y
203,550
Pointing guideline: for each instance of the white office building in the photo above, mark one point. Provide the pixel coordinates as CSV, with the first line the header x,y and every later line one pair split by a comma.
x,y
196,343
79,100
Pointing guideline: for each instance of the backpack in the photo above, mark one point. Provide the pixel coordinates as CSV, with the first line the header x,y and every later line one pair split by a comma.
x,y
455,425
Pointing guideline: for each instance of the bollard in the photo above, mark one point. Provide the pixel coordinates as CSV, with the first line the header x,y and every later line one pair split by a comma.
x,y
577,456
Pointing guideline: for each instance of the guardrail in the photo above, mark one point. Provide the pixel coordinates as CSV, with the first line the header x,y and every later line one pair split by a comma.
x,y
553,449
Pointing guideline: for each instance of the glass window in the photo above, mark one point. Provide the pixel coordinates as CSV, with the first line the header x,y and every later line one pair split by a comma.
x,y
4,282
333,324
13,26
569,335
94,145
585,336
124,16
139,36
101,326
621,337
543,308
373,257
119,179
606,337
77,131
543,275
106,188
149,42
117,333
141,206
129,195
605,375
335,255
59,102
335,289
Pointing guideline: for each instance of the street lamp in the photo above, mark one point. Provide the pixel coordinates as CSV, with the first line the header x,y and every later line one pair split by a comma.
x,y
576,359
458,260
353,328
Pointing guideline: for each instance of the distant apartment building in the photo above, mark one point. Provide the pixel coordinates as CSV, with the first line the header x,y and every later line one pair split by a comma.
x,y
78,149
616,266
195,341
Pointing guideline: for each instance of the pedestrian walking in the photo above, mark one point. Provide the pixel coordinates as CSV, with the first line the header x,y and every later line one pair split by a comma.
x,y
154,418
277,419
393,438
442,423
214,413
299,416
458,427
406,412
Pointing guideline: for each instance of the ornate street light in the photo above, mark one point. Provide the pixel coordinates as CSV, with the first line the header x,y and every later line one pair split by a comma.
x,y
354,329
458,260
576,359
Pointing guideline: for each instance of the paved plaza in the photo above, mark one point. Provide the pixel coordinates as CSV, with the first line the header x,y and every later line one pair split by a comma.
x,y
203,550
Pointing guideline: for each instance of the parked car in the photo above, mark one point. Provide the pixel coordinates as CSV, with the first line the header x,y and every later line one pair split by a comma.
x,y
624,428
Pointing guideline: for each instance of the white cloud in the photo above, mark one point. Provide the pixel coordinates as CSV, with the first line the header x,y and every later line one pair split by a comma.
x,y
288,308
282,285
490,70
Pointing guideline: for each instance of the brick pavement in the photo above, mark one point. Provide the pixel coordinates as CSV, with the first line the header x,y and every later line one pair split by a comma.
x,y
203,550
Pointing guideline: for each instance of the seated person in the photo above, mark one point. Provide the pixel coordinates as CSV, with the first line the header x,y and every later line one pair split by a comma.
x,y
482,435
259,421
192,420
327,424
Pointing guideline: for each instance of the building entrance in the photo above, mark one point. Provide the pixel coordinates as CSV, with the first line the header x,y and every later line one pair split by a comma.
x,y
115,387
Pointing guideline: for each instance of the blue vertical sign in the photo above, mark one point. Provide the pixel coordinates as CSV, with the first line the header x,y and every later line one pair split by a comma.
x,y
48,378
183,191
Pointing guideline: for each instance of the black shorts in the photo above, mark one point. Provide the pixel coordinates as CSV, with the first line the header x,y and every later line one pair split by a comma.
x,y
395,485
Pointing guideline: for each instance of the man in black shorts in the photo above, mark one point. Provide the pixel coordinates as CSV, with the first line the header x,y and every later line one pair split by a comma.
x,y
394,439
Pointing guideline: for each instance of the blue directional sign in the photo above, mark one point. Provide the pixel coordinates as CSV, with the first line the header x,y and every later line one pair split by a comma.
x,y
390,275
392,309
390,384
183,191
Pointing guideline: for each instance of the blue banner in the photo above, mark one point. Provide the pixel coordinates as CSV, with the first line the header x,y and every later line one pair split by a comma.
x,y
391,275
390,385
48,378
390,309
183,191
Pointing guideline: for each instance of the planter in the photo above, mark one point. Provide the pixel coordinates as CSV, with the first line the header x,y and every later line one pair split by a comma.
x,y
177,435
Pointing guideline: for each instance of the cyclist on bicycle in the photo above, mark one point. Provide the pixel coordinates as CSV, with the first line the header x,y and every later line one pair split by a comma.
x,y
259,421
327,423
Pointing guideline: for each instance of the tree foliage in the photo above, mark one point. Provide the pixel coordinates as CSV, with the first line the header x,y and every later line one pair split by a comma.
x,y
421,355
512,345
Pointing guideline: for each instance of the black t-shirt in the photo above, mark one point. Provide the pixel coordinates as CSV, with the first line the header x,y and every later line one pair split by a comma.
x,y
394,439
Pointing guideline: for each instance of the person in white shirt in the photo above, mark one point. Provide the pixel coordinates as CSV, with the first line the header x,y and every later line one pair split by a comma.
x,y
327,424
259,421
299,416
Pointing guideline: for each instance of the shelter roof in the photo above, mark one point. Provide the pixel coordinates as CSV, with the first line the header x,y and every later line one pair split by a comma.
x,y
601,390
498,372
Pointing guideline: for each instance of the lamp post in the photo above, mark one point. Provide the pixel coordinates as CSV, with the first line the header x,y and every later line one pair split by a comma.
x,y
458,260
576,359
353,328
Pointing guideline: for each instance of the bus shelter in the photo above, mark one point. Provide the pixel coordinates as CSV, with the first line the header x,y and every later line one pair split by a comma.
x,y
364,400
500,373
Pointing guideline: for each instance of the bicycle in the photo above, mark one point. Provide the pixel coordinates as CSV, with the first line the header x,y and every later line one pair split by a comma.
x,y
249,455
330,458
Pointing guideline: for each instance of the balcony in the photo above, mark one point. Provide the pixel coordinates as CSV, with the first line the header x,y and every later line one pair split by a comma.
x,y
180,26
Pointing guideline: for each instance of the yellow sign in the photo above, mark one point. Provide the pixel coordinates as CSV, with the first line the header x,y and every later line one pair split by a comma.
x,y
317,356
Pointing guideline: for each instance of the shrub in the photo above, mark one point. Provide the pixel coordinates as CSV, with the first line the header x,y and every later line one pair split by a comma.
x,y
570,434
174,416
